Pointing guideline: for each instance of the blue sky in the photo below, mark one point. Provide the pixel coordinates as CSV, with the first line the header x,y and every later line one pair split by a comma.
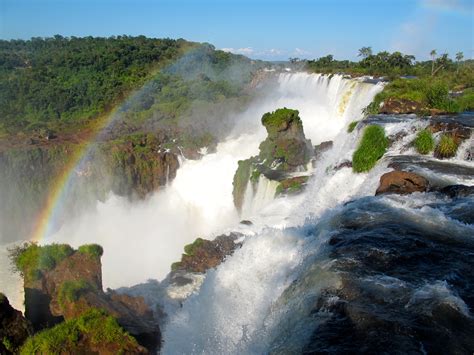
x,y
265,29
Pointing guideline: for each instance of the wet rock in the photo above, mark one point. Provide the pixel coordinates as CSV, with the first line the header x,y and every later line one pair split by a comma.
x,y
321,148
416,162
403,286
401,182
204,254
457,191
344,164
400,106
14,328
458,131
246,222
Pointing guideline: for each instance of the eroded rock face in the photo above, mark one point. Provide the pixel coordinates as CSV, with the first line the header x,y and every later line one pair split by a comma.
x,y
73,286
42,306
400,106
14,328
204,254
401,182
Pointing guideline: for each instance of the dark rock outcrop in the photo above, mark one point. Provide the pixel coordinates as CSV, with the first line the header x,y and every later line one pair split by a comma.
x,y
457,191
204,254
14,328
401,182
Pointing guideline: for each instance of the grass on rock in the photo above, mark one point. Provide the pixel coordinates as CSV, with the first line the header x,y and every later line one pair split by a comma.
x,y
424,142
371,148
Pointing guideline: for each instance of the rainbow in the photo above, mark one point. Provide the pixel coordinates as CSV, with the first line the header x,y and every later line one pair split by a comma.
x,y
63,182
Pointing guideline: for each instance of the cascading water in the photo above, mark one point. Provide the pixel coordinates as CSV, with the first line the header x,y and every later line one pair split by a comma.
x,y
284,284
141,240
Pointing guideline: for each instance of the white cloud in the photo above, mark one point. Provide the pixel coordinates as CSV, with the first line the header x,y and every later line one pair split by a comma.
x,y
244,51
301,52
450,5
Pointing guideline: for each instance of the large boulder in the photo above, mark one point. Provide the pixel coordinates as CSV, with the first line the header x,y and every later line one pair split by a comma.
x,y
14,328
285,151
401,182
394,106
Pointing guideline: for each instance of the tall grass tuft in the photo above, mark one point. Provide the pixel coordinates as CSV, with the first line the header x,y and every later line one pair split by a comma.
x,y
371,148
424,142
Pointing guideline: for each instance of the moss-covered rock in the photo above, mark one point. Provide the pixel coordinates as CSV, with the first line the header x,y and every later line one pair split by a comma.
x,y
241,179
204,254
284,151
292,185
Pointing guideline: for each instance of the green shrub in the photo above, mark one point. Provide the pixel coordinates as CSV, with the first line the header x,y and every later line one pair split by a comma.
x,y
352,126
99,328
466,101
94,250
447,147
437,94
70,291
371,148
424,142
31,260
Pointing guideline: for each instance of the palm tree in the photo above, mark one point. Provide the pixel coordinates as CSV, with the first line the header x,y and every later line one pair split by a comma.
x,y
433,57
459,57
365,52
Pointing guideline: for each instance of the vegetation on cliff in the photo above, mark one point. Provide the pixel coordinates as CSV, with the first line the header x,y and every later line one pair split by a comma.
x,y
93,331
31,260
370,149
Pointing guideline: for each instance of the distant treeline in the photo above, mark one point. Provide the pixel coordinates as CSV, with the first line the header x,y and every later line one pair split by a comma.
x,y
68,78
390,64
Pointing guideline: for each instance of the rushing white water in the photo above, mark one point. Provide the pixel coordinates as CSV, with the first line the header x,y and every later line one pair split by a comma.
x,y
141,240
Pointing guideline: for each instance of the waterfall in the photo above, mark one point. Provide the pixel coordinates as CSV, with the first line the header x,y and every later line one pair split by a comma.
x,y
231,312
142,239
